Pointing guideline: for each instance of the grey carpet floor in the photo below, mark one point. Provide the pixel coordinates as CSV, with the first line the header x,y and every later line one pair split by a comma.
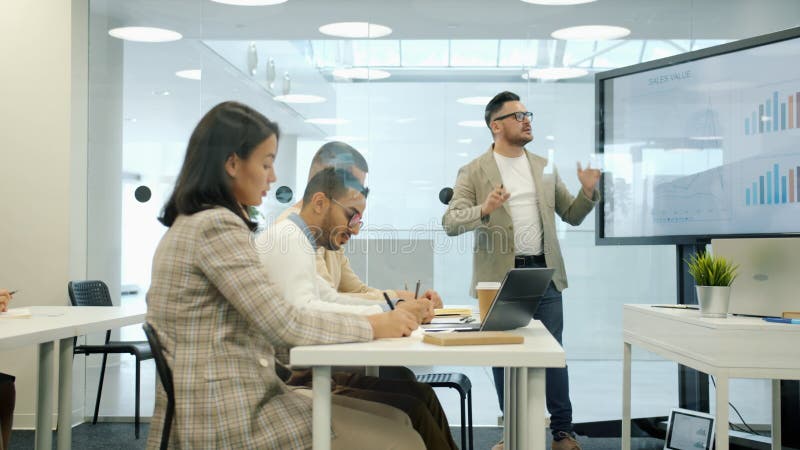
x,y
119,436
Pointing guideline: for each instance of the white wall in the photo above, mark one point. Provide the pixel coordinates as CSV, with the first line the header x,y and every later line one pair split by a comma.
x,y
42,236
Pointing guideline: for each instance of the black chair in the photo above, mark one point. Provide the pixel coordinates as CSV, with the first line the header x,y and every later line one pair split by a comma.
x,y
460,383
165,375
95,293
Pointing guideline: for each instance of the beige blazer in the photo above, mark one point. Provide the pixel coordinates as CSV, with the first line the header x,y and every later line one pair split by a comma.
x,y
219,320
493,253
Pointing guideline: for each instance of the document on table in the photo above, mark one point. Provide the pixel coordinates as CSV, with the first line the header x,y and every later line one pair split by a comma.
x,y
440,312
16,313
451,319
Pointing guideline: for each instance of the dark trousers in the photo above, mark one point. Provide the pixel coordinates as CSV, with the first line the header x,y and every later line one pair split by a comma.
x,y
7,399
551,314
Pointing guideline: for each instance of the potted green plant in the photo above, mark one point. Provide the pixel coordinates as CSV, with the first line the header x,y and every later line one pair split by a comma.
x,y
713,276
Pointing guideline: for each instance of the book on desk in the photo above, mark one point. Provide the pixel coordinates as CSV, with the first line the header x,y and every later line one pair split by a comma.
x,y
474,338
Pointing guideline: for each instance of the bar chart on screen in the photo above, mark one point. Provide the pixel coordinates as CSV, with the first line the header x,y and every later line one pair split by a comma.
x,y
777,185
777,112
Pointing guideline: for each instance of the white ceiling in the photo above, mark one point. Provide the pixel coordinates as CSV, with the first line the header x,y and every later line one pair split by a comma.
x,y
216,37
460,19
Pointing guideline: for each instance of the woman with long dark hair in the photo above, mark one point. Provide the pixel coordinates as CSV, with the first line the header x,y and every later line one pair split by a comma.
x,y
219,318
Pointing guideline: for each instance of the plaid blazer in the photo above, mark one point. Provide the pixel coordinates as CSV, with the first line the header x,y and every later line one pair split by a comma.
x,y
219,318
493,254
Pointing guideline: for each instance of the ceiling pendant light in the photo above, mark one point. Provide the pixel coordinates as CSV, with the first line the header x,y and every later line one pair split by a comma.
x,y
355,30
145,34
189,74
591,33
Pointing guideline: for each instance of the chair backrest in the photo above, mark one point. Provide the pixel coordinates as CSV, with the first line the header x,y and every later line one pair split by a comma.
x,y
89,293
165,375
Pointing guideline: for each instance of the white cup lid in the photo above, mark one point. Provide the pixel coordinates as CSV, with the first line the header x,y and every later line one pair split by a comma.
x,y
488,285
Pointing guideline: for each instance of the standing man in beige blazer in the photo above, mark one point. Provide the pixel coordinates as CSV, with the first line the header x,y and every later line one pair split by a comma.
x,y
510,197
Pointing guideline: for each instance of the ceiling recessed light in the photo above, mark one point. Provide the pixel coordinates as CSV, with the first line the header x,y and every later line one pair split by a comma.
x,y
299,98
327,121
558,2
189,74
361,73
465,141
554,73
479,101
144,34
550,137
706,138
251,2
591,32
462,154
472,123
355,30
163,93
342,138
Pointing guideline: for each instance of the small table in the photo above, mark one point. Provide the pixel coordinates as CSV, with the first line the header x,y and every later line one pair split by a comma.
x,y
733,347
525,372
61,323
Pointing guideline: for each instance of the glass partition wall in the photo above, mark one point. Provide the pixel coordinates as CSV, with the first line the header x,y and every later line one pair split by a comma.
x,y
412,102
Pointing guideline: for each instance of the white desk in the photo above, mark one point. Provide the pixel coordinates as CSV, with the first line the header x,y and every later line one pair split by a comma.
x,y
735,347
525,363
61,323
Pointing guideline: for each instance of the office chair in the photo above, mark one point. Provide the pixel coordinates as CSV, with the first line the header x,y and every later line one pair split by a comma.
x,y
95,293
165,375
460,383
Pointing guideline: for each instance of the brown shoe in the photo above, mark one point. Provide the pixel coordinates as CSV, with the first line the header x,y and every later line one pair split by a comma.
x,y
499,446
566,442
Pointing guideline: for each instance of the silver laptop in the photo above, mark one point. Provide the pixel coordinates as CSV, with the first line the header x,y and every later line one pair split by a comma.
x,y
514,304
767,281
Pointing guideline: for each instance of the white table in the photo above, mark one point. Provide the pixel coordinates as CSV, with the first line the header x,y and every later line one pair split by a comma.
x,y
60,323
525,371
733,347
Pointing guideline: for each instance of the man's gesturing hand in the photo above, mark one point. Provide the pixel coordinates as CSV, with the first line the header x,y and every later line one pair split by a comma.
x,y
494,200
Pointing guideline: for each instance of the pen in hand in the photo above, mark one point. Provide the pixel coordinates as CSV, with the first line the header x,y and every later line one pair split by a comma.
x,y
416,291
388,302
13,292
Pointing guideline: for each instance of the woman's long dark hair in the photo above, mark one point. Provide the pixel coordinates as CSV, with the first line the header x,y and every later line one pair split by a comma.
x,y
203,183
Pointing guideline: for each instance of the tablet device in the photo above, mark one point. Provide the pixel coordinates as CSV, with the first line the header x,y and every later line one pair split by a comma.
x,y
689,430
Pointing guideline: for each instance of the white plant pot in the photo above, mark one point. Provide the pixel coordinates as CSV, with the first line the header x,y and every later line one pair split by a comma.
x,y
714,300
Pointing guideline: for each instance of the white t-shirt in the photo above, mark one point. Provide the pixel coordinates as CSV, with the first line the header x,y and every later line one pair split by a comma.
x,y
286,251
523,203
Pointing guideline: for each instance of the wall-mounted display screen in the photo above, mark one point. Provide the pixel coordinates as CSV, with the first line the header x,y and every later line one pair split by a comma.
x,y
705,144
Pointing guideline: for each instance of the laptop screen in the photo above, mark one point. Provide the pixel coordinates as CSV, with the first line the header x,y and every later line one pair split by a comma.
x,y
518,298
514,305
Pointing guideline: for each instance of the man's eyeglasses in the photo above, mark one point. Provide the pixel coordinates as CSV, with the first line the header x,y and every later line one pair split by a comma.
x,y
355,218
519,115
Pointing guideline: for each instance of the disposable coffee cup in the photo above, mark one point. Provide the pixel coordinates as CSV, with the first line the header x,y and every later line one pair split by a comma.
x,y
487,291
